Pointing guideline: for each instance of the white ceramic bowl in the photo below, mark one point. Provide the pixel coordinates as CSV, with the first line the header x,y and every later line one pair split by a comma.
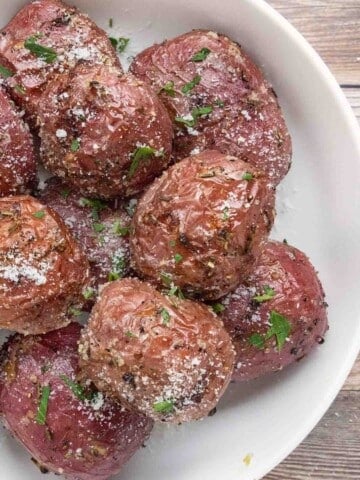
x,y
318,211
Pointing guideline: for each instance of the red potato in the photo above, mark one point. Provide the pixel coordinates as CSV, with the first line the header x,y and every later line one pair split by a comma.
x,y
218,99
44,38
200,225
278,315
107,134
17,155
43,272
166,357
101,229
81,434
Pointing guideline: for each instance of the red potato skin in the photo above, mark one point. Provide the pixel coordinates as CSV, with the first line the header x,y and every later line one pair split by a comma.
x,y
17,155
299,297
77,441
43,272
131,352
202,209
71,34
246,121
118,114
104,248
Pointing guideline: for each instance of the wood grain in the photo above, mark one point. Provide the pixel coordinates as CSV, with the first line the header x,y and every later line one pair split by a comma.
x,y
353,382
353,95
333,29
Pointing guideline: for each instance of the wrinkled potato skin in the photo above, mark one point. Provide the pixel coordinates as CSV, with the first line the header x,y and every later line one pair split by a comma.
x,y
78,441
299,297
215,222
246,120
71,34
101,248
135,354
42,270
17,155
118,114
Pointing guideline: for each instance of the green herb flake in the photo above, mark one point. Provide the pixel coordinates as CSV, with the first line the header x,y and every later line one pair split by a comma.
x,y
172,243
96,206
43,405
268,294
141,153
247,176
169,89
165,315
188,87
178,258
122,44
280,328
5,72
201,55
166,279
176,292
113,276
118,229
98,227
114,42
226,214
130,334
75,312
65,193
44,53
88,293
164,407
218,307
40,214
257,340
75,387
75,145
20,89
219,103
190,120
118,268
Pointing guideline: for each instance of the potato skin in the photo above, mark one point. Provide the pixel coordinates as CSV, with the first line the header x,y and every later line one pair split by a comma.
x,y
80,440
17,155
101,229
110,116
203,210
145,348
42,270
299,297
246,120
71,34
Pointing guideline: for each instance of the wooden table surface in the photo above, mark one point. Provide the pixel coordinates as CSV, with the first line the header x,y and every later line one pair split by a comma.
x,y
332,450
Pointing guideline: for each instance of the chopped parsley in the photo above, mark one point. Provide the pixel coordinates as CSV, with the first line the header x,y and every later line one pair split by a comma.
x,y
172,243
219,103
96,206
178,258
167,406
75,145
65,193
88,293
44,53
268,294
75,312
201,55
43,405
168,88
166,278
40,214
118,267
75,387
120,43
191,85
98,227
176,292
280,328
165,315
130,334
218,307
113,41
118,229
20,89
195,115
247,176
226,214
5,72
141,153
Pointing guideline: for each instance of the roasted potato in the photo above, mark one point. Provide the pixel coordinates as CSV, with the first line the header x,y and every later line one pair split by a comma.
x,y
43,272
68,427
218,99
278,315
164,356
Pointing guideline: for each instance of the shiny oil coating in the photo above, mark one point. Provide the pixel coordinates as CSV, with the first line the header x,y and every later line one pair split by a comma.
x,y
101,229
71,34
42,270
110,116
299,297
246,120
169,358
17,156
82,439
199,226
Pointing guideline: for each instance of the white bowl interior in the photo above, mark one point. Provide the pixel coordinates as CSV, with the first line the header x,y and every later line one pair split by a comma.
x,y
318,211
